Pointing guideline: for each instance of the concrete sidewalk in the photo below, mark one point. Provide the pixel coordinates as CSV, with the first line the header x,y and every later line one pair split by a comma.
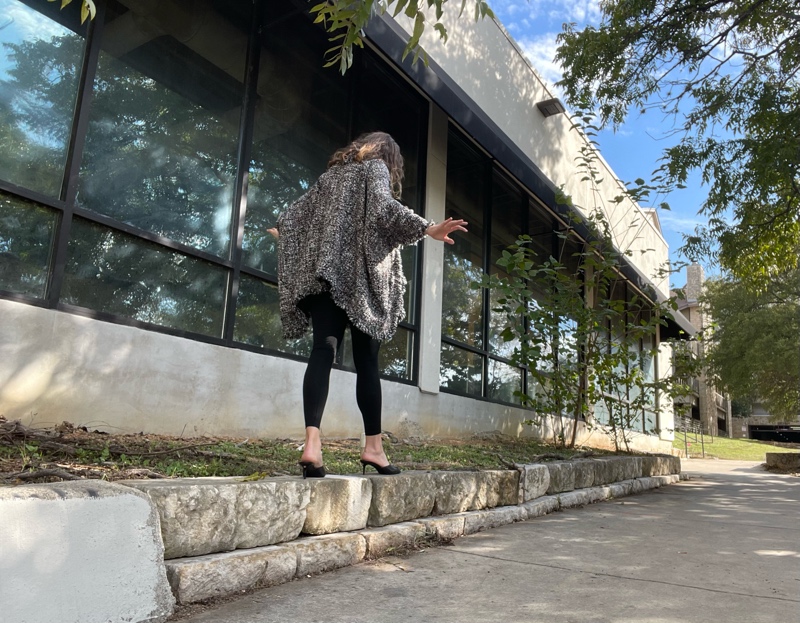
x,y
723,546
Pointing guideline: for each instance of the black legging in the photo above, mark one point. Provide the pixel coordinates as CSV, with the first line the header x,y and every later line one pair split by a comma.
x,y
329,322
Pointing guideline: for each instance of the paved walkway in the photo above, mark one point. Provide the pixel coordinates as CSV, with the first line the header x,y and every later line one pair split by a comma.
x,y
721,547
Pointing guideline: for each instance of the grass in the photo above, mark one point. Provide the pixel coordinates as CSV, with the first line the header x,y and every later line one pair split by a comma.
x,y
74,452
732,449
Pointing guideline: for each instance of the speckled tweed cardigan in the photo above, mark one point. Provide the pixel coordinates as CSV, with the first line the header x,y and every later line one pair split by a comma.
x,y
344,236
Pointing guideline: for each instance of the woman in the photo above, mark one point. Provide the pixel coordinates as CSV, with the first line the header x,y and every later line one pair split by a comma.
x,y
339,264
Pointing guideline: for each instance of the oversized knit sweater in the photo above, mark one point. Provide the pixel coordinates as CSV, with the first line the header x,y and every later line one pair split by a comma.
x,y
344,237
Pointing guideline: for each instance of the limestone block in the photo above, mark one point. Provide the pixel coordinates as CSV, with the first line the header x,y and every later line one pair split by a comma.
x,y
444,528
541,506
659,465
584,473
562,476
621,489
534,481
572,499
457,492
392,539
598,494
783,460
338,504
206,515
630,467
80,552
638,486
493,518
318,554
604,471
404,497
217,575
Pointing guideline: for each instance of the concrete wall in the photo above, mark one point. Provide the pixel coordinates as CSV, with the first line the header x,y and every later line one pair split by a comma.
x,y
56,366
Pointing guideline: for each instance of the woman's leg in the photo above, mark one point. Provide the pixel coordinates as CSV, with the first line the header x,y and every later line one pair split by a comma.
x,y
328,323
368,394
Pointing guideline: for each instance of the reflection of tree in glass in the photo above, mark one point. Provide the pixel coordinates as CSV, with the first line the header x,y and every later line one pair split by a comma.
x,y
36,104
462,306
114,273
26,235
160,154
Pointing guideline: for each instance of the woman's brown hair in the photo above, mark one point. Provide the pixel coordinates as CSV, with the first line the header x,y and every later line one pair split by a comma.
x,y
371,146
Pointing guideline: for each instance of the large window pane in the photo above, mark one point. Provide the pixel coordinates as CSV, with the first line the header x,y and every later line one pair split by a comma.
x,y
258,320
301,119
461,370
507,225
26,243
161,147
112,272
503,381
462,308
40,62
394,357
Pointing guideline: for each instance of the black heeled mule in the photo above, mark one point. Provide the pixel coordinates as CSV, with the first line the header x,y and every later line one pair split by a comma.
x,y
312,471
386,470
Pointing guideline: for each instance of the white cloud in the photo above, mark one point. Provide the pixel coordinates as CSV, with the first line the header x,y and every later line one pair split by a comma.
x,y
679,224
553,12
541,51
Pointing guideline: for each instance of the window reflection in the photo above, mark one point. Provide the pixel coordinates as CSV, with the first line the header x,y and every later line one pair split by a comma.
x,y
26,243
40,63
462,307
118,274
160,150
503,381
461,370
258,320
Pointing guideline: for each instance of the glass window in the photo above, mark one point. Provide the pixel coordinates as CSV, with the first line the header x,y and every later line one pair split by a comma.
x,y
112,272
301,118
394,357
40,64
461,370
161,148
258,320
462,307
26,244
507,225
503,381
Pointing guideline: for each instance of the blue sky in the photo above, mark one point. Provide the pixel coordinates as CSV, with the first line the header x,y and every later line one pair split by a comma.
x,y
634,149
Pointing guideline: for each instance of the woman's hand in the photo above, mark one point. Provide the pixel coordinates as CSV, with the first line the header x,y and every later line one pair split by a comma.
x,y
441,231
274,232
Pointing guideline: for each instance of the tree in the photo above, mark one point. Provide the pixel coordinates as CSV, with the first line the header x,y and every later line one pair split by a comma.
x,y
729,74
345,21
754,348
588,347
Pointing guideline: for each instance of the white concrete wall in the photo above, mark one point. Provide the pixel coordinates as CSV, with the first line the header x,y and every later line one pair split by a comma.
x,y
56,366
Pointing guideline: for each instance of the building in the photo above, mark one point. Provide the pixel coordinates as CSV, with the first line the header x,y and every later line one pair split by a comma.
x,y
707,407
144,157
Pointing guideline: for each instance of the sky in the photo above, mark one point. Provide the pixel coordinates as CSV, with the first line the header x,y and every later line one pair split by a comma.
x,y
633,150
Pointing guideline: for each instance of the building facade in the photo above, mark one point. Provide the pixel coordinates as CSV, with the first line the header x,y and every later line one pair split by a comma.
x,y
709,408
145,155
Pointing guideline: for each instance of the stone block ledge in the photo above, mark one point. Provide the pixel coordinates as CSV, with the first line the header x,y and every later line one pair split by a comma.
x,y
198,539
205,577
